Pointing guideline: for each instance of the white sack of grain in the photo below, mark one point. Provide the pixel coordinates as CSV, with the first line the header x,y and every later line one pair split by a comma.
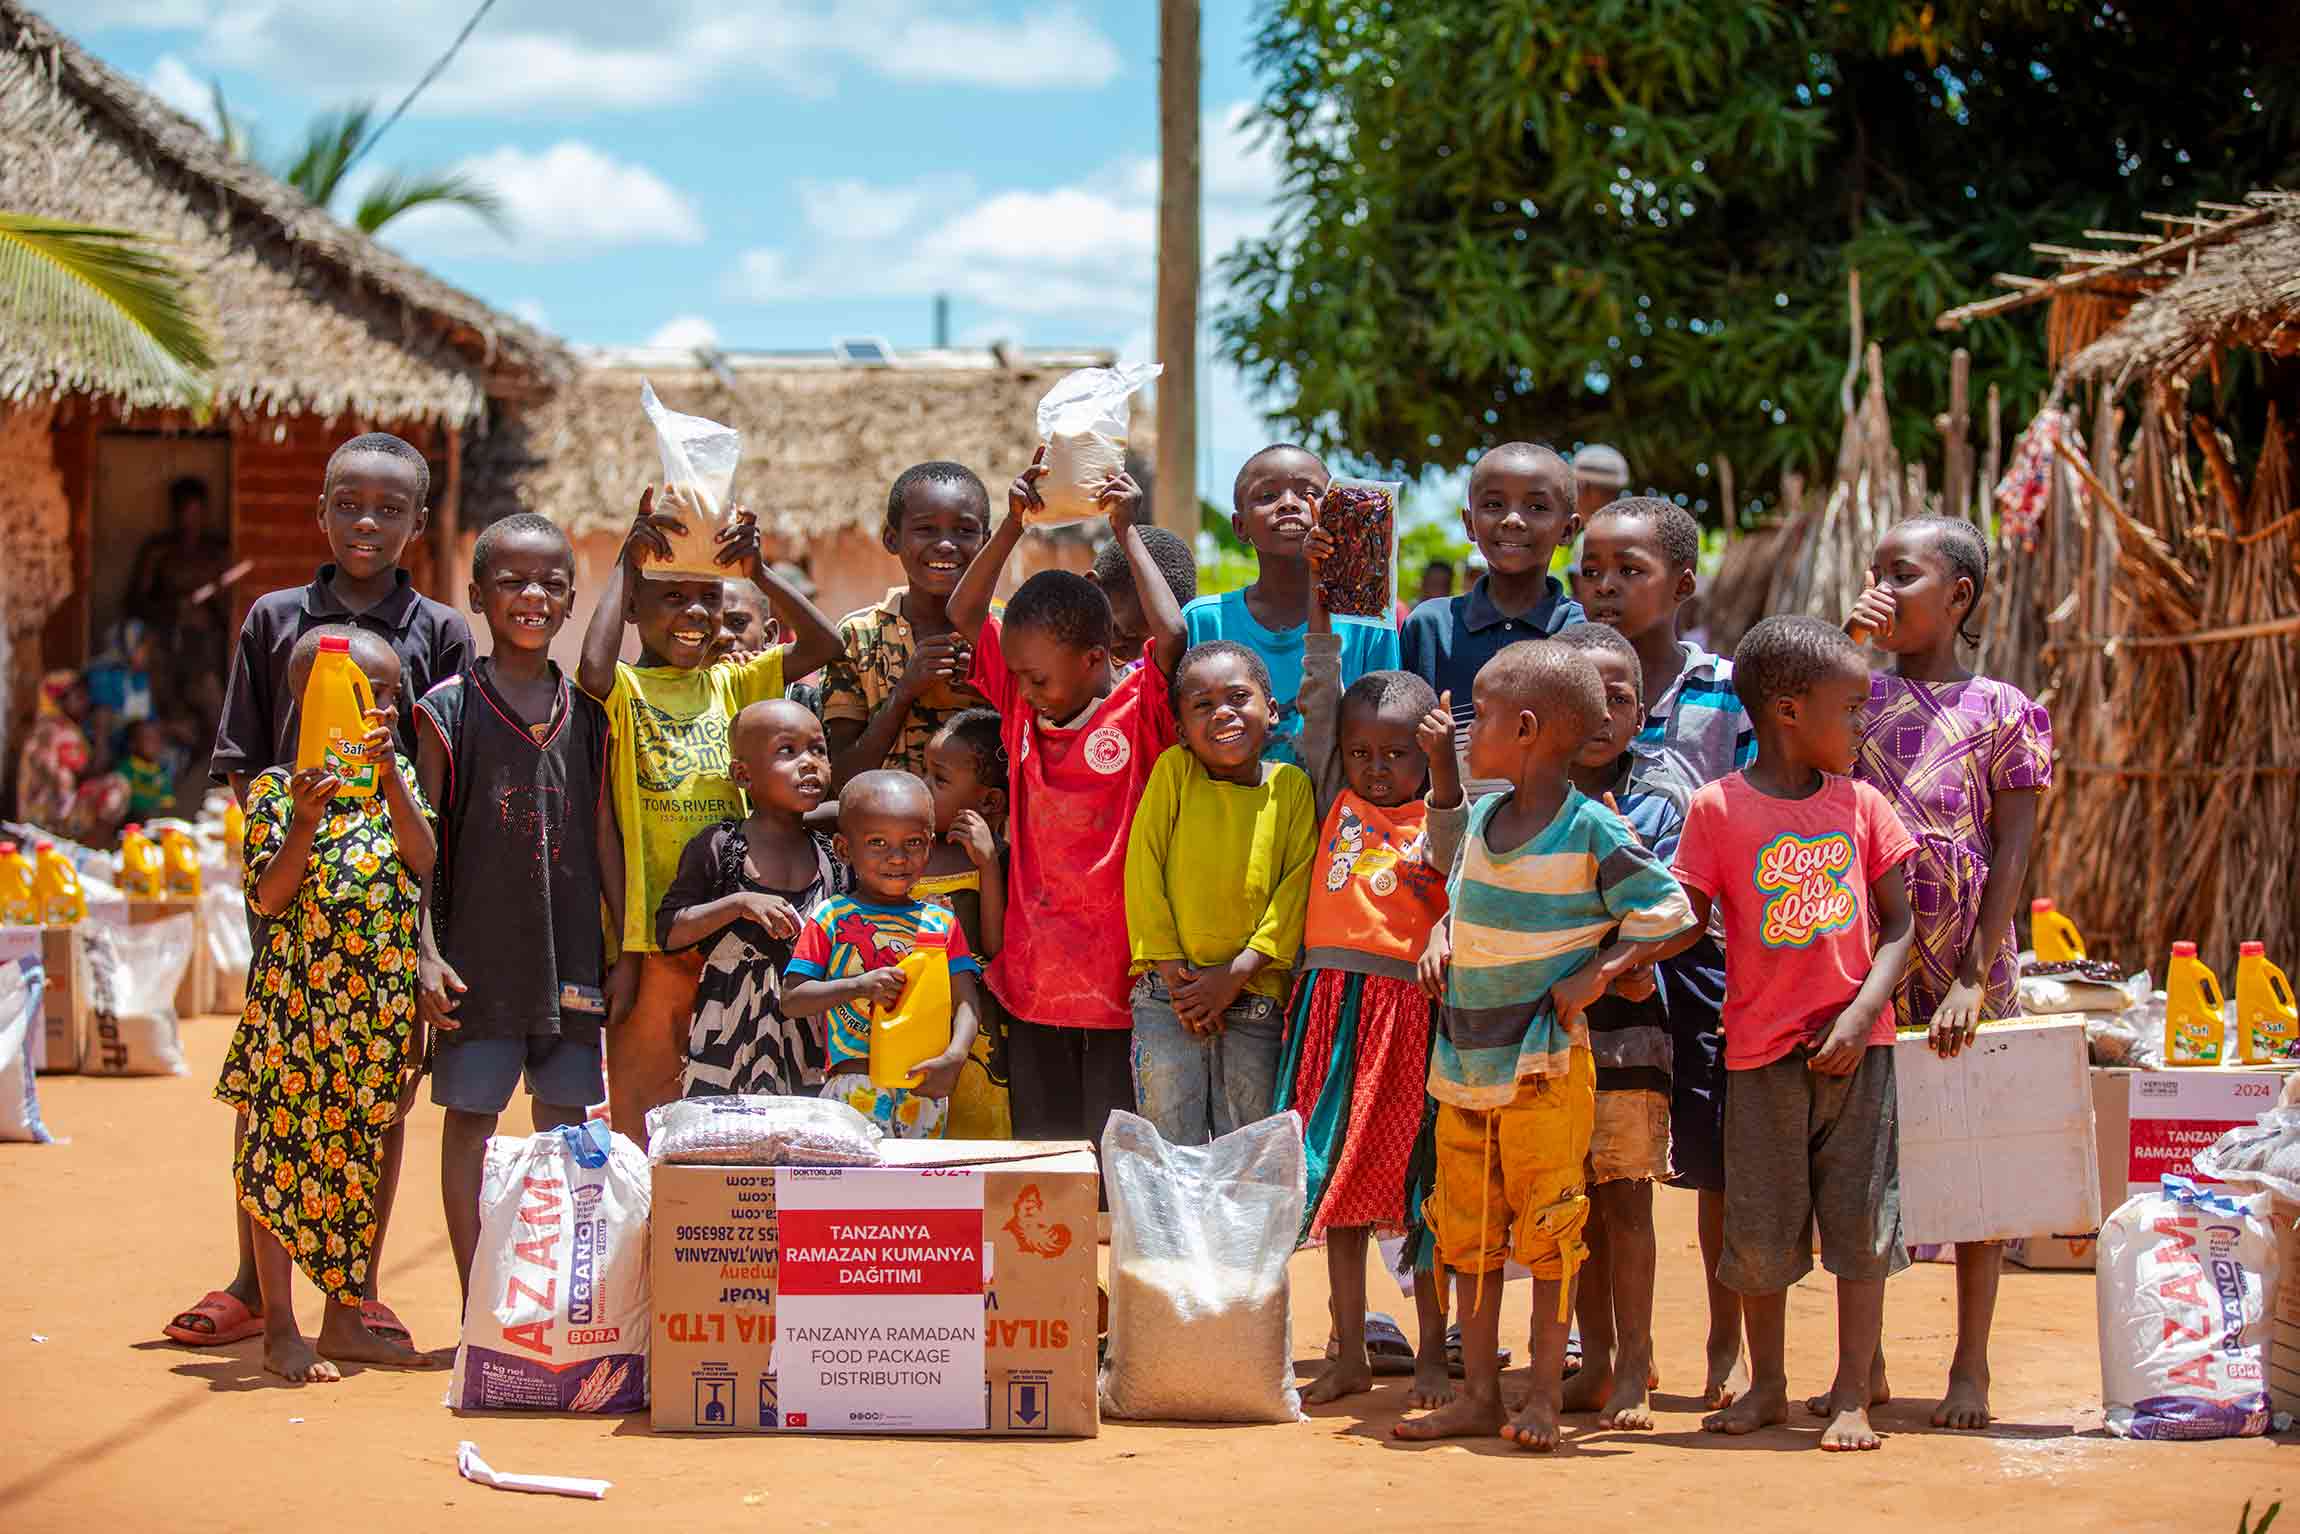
x,y
1200,1329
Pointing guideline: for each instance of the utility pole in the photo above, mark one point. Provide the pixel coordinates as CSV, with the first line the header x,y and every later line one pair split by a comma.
x,y
1176,491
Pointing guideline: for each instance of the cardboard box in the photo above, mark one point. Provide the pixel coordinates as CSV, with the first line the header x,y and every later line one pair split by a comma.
x,y
1997,1143
2153,1122
193,991
64,1002
894,1280
2284,1315
2054,1253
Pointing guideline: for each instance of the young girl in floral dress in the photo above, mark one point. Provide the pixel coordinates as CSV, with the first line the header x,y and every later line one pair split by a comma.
x,y
1963,759
329,1051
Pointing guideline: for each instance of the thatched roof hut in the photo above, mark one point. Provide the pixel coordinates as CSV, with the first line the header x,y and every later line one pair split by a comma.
x,y
306,314
2243,294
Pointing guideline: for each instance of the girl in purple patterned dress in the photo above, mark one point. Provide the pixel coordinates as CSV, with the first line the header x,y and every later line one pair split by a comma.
x,y
1964,760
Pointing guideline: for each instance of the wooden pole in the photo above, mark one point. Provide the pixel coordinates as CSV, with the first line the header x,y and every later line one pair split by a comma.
x,y
1957,450
1175,495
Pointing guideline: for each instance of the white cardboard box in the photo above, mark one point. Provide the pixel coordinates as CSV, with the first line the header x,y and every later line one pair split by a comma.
x,y
1997,1143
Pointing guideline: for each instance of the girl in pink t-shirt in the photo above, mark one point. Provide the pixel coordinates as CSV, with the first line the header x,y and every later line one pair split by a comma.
x,y
1080,741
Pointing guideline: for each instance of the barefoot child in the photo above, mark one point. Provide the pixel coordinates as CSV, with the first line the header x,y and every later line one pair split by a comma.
x,y
1081,739
1638,559
741,888
966,772
515,759
1545,874
1805,864
1520,509
374,501
901,667
1629,1144
1217,876
670,716
334,1045
1358,1034
1963,760
848,947
1275,499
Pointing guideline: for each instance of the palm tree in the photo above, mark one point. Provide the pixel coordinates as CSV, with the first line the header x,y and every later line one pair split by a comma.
x,y
105,299
332,142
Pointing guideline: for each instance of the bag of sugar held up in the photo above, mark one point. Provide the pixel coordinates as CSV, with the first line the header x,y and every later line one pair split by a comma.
x,y
1083,421
1200,1311
699,459
2184,1278
557,1319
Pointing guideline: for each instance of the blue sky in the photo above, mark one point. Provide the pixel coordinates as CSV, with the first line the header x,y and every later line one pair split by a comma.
x,y
762,173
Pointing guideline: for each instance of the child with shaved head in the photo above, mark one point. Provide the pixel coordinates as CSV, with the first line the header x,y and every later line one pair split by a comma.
x,y
849,947
1552,900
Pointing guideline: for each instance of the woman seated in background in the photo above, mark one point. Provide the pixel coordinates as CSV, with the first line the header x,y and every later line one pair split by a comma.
x,y
56,787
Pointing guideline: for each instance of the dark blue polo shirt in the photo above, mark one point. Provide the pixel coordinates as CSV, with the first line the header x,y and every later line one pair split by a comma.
x,y
430,638
1446,639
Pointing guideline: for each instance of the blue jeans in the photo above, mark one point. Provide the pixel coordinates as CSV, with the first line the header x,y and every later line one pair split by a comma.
x,y
1196,1087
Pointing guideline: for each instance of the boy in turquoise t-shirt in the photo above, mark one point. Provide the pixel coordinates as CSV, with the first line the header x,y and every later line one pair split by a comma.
x,y
1275,504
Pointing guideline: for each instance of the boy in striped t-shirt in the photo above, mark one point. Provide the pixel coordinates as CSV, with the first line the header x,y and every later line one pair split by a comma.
x,y
1553,899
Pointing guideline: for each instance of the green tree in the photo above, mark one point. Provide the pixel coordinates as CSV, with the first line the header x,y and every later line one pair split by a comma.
x,y
332,144
1631,222
115,309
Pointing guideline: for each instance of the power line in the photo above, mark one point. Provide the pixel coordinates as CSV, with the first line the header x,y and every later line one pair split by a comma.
x,y
421,85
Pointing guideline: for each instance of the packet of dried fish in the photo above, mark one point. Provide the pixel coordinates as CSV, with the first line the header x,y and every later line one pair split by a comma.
x,y
760,1131
1360,579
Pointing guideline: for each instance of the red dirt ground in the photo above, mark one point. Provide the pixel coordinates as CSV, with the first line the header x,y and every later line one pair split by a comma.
x,y
106,1426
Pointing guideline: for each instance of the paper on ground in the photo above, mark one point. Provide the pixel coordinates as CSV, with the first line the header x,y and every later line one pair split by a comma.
x,y
473,1468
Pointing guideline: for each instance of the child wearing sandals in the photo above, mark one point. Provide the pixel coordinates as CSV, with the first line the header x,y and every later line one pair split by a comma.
x,y
1358,1031
1963,760
330,1049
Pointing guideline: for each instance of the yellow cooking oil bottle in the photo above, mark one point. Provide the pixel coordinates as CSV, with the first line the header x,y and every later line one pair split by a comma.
x,y
917,1027
56,885
2195,1013
2267,1023
19,907
181,856
143,874
236,834
336,700
2053,936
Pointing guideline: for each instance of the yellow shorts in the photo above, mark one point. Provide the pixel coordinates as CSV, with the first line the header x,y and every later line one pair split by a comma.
x,y
1510,1180
1630,1142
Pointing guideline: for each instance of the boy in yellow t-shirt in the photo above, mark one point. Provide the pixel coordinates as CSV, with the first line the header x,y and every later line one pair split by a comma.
x,y
670,715
1217,883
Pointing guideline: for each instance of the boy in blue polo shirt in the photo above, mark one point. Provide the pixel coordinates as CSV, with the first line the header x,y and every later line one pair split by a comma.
x,y
1520,509
1275,504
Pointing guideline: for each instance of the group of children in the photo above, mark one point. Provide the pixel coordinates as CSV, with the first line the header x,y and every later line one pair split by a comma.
x,y
1521,910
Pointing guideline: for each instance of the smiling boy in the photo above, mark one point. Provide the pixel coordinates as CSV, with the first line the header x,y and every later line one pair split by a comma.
x,y
1520,509
902,667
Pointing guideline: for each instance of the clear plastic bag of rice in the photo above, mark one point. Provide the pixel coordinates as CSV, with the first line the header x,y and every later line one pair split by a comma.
x,y
1200,1329
761,1131
699,458
1083,420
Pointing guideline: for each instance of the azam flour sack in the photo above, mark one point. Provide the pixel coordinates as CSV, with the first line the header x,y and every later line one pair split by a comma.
x,y
558,1314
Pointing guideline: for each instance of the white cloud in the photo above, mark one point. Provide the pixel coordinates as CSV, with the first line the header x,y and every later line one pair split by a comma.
x,y
1050,50
689,331
857,210
532,56
173,82
570,199
531,310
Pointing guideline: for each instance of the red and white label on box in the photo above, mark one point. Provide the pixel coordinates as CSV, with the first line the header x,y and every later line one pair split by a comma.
x,y
2177,1113
879,1318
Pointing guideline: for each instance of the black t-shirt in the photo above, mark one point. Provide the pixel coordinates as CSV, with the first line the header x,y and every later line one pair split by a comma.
x,y
516,898
430,638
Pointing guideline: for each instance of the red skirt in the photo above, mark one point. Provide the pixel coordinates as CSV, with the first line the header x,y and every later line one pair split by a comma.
x,y
1356,1072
